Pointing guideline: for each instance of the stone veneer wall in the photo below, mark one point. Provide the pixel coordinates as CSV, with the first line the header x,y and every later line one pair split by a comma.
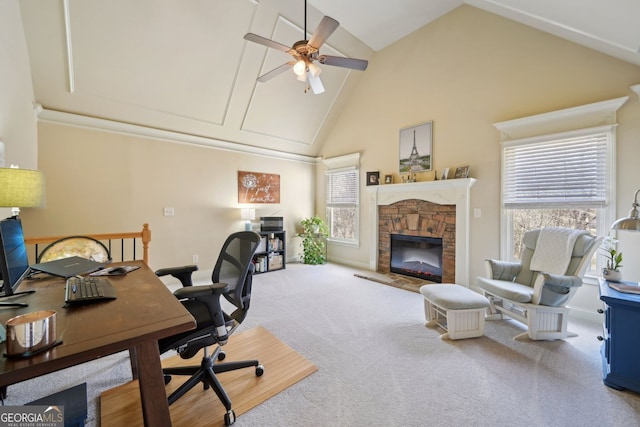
x,y
418,218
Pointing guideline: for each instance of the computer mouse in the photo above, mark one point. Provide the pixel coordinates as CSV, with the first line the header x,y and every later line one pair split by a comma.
x,y
118,270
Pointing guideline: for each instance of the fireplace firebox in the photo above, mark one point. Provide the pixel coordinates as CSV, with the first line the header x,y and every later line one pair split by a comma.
x,y
417,256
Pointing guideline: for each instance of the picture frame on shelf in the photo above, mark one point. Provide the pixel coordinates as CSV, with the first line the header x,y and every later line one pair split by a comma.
x,y
445,174
462,172
388,179
416,148
373,178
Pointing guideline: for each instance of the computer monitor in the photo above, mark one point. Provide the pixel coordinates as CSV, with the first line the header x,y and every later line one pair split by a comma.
x,y
14,262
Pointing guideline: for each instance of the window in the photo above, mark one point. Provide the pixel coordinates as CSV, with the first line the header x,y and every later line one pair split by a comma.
x,y
562,179
342,198
556,181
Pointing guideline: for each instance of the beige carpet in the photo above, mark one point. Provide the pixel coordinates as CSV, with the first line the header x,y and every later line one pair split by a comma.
x,y
284,367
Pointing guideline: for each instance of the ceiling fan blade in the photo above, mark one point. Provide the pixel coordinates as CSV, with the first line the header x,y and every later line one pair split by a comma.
x,y
338,61
315,83
327,26
271,74
266,42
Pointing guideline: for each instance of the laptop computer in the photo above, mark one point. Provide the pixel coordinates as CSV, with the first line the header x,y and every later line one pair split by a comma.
x,y
68,267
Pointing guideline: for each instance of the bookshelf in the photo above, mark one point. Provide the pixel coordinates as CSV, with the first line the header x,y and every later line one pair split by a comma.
x,y
271,252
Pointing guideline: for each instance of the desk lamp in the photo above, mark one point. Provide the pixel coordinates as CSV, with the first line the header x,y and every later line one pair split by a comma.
x,y
247,214
20,188
632,222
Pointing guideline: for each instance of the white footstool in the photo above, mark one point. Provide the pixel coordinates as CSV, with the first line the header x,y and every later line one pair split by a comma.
x,y
458,310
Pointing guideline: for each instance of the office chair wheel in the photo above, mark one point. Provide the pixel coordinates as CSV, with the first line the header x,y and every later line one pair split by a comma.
x,y
229,418
259,370
221,355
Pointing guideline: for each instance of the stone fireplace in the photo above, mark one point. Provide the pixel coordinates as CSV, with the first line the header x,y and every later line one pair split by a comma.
x,y
438,209
418,218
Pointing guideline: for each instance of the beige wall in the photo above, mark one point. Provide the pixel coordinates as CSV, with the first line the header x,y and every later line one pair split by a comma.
x,y
466,71
17,121
99,181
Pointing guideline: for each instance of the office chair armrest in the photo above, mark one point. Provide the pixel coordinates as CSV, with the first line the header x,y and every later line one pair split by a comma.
x,y
181,273
192,292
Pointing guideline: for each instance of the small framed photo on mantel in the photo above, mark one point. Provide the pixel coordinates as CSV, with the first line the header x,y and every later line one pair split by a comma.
x,y
373,178
445,174
462,172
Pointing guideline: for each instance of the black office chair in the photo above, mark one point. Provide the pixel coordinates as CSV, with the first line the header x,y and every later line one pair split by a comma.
x,y
232,277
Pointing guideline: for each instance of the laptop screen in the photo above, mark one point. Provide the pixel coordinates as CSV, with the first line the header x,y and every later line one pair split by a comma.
x,y
14,262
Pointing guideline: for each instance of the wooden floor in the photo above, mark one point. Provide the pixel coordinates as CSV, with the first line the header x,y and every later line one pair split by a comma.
x,y
284,367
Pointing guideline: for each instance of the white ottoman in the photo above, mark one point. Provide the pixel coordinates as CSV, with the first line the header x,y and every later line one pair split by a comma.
x,y
458,310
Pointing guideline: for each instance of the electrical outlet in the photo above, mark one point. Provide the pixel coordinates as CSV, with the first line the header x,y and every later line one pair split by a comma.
x,y
194,258
477,212
168,212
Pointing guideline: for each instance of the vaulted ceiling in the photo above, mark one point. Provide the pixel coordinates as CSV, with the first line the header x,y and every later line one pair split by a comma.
x,y
183,66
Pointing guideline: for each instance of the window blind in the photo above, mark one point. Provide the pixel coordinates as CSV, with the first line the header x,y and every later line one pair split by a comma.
x,y
556,173
341,187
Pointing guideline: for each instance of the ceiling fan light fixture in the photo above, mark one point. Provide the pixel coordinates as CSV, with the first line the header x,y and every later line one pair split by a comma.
x,y
300,67
302,77
314,70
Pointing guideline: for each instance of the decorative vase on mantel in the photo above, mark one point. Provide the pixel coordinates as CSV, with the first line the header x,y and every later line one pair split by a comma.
x,y
611,275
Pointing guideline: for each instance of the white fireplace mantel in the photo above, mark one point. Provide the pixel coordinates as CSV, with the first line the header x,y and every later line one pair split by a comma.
x,y
447,192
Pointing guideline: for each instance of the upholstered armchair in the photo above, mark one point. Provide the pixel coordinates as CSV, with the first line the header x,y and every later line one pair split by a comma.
x,y
532,295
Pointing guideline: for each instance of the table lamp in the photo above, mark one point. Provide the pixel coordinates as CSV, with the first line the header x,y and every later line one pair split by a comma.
x,y
20,188
247,214
632,222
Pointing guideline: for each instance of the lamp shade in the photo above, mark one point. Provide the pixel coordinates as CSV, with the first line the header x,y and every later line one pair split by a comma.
x,y
627,224
247,213
21,188
632,222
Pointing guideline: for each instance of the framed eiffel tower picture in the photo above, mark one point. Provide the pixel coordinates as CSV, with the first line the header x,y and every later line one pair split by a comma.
x,y
416,144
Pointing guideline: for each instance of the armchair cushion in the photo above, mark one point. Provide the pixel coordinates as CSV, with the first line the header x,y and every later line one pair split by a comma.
x,y
506,289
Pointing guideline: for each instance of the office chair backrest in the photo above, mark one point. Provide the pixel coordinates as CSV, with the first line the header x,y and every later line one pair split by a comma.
x,y
235,268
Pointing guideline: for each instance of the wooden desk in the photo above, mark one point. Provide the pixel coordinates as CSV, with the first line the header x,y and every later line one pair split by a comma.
x,y
144,311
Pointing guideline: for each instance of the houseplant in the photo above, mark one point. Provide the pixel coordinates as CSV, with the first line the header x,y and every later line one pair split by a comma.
x,y
314,240
614,260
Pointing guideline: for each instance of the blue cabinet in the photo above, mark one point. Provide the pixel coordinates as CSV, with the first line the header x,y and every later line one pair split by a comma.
x,y
621,341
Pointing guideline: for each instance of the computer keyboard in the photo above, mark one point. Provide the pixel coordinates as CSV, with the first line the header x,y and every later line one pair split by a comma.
x,y
80,290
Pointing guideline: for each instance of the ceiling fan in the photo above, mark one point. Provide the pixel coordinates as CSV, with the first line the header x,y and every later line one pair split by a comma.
x,y
306,52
